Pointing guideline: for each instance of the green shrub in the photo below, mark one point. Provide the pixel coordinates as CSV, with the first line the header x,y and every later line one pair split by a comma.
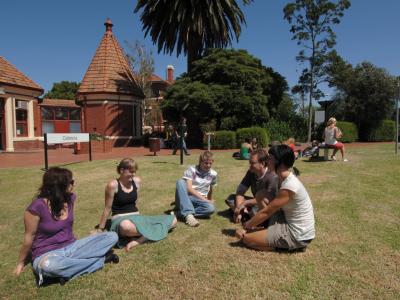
x,y
385,132
349,132
278,131
252,132
223,139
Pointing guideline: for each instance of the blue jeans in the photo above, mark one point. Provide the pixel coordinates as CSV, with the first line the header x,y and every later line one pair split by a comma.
x,y
177,145
189,204
85,255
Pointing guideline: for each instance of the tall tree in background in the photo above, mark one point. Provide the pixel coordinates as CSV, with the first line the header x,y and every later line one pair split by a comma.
x,y
365,95
191,26
63,90
141,62
311,24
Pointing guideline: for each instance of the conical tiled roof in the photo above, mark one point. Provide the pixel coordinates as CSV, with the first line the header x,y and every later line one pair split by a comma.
x,y
109,71
11,76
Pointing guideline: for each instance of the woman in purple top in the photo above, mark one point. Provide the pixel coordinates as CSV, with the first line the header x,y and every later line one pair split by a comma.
x,y
49,236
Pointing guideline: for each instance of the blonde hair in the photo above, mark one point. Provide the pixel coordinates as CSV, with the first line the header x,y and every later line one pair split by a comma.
x,y
331,121
206,155
127,164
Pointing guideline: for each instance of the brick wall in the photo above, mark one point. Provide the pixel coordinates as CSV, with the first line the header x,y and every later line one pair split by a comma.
x,y
27,145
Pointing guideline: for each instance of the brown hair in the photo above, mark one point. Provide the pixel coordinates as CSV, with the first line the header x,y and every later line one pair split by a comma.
x,y
54,188
127,164
262,155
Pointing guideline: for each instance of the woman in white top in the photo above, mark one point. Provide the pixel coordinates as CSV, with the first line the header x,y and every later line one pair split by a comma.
x,y
290,215
331,134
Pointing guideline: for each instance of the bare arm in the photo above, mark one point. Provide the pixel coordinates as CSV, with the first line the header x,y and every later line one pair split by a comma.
x,y
193,192
281,200
209,195
111,187
31,222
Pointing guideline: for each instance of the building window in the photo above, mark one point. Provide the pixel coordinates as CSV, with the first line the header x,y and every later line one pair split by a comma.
x,y
60,119
21,117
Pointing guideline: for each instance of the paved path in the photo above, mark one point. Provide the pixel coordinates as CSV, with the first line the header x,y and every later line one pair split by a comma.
x,y
65,155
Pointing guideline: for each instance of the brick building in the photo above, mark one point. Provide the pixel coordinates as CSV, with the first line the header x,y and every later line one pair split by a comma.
x,y
110,102
19,113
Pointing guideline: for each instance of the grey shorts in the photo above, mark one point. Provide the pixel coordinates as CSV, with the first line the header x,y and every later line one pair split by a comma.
x,y
279,236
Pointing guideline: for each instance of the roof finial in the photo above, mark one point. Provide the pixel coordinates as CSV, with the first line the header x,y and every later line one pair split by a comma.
x,y
108,25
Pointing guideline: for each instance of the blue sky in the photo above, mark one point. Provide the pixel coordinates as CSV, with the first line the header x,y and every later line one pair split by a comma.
x,y
52,40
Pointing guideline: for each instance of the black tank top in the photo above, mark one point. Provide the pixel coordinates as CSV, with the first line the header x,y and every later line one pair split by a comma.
x,y
124,202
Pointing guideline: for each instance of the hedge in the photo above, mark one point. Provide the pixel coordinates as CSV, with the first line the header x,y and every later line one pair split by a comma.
x,y
278,131
385,132
223,139
252,132
349,132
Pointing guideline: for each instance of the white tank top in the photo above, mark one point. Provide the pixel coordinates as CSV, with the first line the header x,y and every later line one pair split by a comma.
x,y
330,136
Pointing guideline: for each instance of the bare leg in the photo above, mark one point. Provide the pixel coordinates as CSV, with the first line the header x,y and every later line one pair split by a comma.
x,y
128,229
257,240
342,152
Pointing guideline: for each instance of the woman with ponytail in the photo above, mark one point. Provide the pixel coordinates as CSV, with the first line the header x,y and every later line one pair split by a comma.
x,y
290,215
49,237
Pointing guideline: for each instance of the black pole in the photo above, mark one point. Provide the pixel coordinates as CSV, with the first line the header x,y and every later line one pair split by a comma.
x,y
46,161
181,143
90,149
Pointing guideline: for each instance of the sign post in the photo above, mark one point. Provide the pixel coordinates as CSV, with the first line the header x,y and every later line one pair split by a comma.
x,y
62,138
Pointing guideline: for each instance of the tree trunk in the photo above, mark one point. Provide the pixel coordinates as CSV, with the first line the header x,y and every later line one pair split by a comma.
x,y
193,52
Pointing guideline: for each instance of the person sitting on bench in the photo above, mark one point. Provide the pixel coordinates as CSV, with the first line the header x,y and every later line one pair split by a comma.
x,y
331,134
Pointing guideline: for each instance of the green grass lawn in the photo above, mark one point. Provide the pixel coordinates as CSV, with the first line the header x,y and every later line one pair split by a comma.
x,y
355,253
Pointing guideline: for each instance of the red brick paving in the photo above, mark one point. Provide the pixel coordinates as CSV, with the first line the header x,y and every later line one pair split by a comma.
x,y
65,155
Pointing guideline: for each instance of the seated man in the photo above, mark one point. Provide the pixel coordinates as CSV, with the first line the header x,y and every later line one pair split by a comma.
x,y
193,195
263,183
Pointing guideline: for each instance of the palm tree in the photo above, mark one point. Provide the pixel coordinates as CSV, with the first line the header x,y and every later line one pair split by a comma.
x,y
191,25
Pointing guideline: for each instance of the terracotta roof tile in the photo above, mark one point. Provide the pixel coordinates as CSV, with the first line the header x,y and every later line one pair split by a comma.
x,y
59,102
12,76
109,70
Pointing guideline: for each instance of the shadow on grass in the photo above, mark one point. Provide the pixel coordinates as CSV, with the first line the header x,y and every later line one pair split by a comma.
x,y
228,232
315,160
165,162
227,213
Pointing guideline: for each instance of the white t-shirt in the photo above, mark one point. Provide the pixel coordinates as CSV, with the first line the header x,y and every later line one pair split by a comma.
x,y
298,211
201,181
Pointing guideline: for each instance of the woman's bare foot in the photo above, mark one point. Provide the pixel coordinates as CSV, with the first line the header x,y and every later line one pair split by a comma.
x,y
135,242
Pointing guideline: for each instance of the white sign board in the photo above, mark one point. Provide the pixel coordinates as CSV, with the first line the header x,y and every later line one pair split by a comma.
x,y
319,116
61,138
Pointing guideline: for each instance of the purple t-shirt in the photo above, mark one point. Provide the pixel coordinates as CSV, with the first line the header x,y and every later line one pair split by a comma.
x,y
51,234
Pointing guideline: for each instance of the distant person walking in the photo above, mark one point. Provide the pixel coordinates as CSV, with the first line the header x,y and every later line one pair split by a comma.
x,y
331,134
176,137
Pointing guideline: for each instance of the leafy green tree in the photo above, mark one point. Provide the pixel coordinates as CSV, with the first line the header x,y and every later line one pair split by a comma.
x,y
63,90
311,24
191,26
230,87
365,96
